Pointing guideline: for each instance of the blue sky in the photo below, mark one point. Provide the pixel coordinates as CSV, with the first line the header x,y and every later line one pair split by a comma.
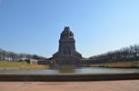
x,y
34,26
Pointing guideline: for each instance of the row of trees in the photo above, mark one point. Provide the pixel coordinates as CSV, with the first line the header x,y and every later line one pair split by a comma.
x,y
125,54
11,56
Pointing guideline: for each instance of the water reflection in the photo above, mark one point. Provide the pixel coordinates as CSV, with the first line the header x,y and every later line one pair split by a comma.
x,y
72,71
66,70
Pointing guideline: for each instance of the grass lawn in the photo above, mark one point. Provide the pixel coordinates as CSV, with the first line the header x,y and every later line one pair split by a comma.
x,y
131,64
21,66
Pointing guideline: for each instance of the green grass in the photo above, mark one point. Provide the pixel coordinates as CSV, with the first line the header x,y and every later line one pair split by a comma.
x,y
21,66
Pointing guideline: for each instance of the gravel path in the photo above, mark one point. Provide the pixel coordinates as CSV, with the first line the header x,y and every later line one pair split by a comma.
x,y
126,85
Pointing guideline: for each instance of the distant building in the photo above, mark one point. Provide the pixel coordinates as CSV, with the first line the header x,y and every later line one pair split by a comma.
x,y
67,54
33,61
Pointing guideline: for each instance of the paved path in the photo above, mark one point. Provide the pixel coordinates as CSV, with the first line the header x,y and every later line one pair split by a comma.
x,y
128,85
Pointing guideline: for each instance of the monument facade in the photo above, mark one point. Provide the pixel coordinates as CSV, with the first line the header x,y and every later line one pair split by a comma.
x,y
67,54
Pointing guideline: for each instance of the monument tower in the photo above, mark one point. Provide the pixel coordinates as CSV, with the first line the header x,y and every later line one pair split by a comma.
x,y
67,54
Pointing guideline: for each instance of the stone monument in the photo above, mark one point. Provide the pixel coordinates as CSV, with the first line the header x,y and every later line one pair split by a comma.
x,y
67,54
